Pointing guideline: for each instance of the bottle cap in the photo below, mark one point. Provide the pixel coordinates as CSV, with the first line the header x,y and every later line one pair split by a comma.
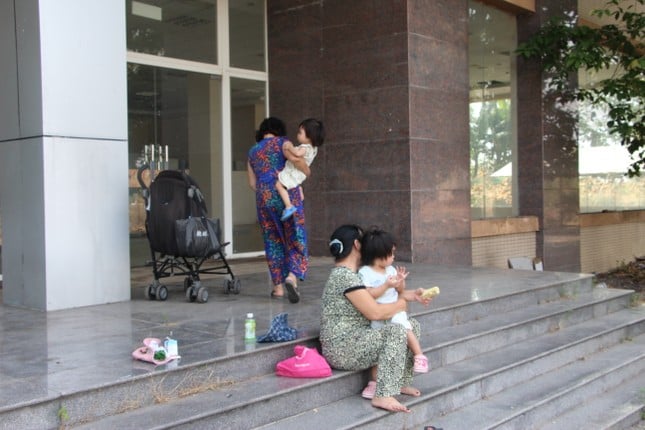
x,y
249,315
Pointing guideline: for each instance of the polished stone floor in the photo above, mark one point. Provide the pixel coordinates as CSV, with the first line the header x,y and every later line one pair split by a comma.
x,y
45,354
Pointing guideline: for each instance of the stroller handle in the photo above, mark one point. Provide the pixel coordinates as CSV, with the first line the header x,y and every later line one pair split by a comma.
x,y
140,171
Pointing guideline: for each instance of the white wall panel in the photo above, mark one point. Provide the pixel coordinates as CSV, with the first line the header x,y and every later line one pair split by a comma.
x,y
84,68
86,207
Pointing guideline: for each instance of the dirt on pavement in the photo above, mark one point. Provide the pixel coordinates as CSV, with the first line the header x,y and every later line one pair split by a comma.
x,y
630,276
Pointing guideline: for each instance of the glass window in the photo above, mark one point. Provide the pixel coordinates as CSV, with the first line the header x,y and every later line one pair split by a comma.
x,y
492,39
179,114
247,111
185,29
603,162
246,28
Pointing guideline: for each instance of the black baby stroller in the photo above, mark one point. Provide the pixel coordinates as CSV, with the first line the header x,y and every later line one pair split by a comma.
x,y
181,236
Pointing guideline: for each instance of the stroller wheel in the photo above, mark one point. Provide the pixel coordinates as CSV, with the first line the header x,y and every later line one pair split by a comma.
x,y
162,293
188,281
237,286
190,294
232,286
202,295
150,292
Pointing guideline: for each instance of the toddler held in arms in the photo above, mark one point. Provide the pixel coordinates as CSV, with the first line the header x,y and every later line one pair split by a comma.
x,y
311,135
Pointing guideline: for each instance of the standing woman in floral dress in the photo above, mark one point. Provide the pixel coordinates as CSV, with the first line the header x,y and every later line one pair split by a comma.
x,y
285,243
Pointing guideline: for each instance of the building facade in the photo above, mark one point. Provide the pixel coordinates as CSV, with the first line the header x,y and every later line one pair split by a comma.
x,y
435,130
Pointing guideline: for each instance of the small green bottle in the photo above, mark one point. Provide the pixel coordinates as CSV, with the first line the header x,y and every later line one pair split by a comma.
x,y
249,328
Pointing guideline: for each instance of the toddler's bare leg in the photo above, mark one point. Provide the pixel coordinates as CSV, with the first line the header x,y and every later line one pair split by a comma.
x,y
284,194
413,343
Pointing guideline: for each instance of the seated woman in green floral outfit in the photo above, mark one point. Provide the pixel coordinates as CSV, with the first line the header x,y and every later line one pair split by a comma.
x,y
347,338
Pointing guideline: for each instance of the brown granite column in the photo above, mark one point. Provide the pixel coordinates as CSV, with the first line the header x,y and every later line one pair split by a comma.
x,y
389,79
296,90
366,104
547,153
439,131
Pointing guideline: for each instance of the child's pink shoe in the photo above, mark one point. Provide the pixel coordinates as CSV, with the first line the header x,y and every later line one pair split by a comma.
x,y
152,341
369,390
421,364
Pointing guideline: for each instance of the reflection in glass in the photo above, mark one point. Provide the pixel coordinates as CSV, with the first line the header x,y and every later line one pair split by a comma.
x,y
492,39
603,162
180,110
247,111
185,29
246,23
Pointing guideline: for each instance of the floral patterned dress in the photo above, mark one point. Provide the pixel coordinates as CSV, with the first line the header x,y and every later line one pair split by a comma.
x,y
350,343
285,243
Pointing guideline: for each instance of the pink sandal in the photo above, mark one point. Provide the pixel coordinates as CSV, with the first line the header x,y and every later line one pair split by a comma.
x,y
369,391
421,364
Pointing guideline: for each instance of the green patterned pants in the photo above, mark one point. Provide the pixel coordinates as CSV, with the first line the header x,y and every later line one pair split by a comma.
x,y
386,347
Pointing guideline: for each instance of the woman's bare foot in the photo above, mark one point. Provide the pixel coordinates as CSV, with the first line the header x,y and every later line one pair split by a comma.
x,y
277,292
389,404
410,391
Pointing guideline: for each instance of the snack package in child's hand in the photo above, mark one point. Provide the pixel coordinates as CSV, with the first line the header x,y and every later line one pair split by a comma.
x,y
430,293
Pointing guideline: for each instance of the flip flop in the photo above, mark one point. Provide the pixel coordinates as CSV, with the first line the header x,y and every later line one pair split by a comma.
x,y
292,291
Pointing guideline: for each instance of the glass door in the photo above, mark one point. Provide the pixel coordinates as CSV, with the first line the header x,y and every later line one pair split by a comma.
x,y
247,111
177,115
196,93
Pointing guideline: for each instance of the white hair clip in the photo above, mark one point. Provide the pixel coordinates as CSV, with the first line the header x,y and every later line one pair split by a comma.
x,y
336,241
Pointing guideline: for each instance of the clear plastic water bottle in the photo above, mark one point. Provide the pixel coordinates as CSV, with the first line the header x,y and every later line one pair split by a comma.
x,y
249,328
171,346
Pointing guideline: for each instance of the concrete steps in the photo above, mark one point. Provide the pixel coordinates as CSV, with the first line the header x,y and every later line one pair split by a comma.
x,y
618,408
479,349
497,344
152,388
455,396
541,400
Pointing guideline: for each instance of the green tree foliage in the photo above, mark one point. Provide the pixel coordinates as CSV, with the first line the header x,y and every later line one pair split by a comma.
x,y
490,136
564,47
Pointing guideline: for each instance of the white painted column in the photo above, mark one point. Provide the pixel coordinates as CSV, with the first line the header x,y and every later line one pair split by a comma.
x,y
63,153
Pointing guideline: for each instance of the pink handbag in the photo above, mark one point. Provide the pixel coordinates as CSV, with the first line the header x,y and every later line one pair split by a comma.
x,y
307,363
